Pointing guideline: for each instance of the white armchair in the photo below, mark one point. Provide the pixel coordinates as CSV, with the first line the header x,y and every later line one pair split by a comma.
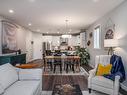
x,y
100,83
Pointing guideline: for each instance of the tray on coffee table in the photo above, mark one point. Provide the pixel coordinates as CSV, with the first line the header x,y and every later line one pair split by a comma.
x,y
66,89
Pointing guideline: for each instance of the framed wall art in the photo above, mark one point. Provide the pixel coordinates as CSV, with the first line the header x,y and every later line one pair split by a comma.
x,y
110,29
9,37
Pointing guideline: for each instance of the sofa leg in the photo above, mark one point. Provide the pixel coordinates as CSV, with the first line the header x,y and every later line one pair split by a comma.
x,y
89,90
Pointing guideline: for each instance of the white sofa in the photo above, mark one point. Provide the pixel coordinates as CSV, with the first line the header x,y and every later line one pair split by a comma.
x,y
100,83
14,81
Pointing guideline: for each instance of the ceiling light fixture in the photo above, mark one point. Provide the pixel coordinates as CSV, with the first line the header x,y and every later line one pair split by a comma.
x,y
29,24
66,35
11,11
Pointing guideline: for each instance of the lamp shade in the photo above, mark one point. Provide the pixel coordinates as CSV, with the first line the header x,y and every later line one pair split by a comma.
x,y
110,43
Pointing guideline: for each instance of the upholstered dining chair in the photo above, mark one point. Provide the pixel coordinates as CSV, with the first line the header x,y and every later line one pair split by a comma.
x,y
48,61
57,62
100,83
69,62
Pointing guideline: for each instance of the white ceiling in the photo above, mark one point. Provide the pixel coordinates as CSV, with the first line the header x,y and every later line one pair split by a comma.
x,y
50,15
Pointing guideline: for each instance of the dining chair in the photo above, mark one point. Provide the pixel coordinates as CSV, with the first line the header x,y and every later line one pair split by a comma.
x,y
69,62
77,62
57,62
48,61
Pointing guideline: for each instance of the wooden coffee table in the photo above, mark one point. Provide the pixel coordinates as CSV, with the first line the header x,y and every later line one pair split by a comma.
x,y
58,90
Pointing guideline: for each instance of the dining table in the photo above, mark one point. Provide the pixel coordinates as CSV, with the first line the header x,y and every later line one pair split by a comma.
x,y
74,58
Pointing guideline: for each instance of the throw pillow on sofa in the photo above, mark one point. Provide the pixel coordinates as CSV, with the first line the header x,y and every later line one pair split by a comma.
x,y
8,75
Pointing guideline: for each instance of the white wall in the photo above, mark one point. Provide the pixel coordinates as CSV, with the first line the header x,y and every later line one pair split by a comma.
x,y
21,39
119,18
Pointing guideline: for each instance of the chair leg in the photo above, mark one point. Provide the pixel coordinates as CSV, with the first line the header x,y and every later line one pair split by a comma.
x,y
73,68
60,68
51,67
67,68
89,90
54,68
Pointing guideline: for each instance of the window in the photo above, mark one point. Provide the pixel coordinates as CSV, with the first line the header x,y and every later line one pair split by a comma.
x,y
97,37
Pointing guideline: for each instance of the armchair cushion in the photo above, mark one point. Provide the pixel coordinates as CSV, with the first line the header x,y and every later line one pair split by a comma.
x,y
30,74
102,81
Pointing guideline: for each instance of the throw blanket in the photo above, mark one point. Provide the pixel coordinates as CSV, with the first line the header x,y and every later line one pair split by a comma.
x,y
117,68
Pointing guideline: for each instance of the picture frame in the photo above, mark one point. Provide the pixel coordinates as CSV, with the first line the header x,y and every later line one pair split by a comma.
x,y
109,34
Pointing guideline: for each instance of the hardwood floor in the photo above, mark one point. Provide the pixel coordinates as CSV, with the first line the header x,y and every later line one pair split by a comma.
x,y
50,80
39,63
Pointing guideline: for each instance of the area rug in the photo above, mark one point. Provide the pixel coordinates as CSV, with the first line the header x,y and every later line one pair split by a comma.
x,y
70,72
83,92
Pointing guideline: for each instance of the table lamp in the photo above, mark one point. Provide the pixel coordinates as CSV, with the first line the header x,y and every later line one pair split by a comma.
x,y
110,43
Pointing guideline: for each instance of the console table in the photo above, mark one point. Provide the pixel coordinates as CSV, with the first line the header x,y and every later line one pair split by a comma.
x,y
13,59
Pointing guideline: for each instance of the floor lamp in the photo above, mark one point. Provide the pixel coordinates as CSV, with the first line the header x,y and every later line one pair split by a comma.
x,y
111,44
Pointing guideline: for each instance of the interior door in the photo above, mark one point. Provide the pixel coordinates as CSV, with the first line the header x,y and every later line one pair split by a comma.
x,y
29,46
37,50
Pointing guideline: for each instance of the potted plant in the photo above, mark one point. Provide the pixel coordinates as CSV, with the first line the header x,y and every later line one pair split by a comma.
x,y
84,54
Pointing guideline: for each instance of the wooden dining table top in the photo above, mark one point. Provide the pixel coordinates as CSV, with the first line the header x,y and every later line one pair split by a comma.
x,y
61,57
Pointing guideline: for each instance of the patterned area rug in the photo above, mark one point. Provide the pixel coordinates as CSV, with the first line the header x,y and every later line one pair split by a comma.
x,y
70,72
83,92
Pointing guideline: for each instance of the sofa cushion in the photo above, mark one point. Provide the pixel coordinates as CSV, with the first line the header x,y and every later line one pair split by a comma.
x,y
102,81
8,75
23,88
30,74
1,89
